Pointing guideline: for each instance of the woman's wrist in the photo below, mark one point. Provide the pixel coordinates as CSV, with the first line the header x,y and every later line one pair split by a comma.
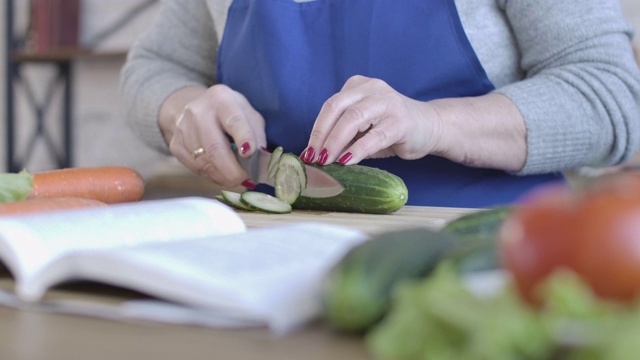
x,y
486,131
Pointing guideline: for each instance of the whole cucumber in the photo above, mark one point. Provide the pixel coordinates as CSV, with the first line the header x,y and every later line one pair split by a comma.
x,y
366,190
357,291
478,231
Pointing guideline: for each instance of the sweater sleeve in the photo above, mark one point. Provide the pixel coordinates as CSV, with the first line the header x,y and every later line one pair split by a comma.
x,y
581,94
178,50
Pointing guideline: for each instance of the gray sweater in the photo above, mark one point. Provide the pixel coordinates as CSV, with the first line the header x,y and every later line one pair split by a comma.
x,y
566,64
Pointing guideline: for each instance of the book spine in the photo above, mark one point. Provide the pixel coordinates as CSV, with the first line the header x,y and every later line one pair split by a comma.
x,y
56,24
68,23
42,25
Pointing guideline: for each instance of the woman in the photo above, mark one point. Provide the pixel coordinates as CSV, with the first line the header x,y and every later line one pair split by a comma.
x,y
472,103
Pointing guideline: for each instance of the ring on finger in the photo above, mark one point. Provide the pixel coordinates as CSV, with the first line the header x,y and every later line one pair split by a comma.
x,y
197,152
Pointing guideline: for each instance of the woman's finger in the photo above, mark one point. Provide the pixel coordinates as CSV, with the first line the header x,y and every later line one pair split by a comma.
x,y
329,115
238,119
355,123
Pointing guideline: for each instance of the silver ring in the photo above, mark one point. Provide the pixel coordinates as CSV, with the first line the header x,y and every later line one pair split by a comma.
x,y
197,152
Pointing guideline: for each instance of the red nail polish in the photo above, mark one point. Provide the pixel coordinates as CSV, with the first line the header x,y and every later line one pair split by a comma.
x,y
249,184
308,155
264,148
345,158
322,158
245,147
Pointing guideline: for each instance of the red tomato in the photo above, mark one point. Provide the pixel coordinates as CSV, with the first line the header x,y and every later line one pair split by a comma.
x,y
595,233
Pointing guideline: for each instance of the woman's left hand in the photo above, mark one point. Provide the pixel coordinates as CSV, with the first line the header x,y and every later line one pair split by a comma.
x,y
369,119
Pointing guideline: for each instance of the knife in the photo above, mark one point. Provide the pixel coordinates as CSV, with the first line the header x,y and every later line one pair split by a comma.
x,y
319,183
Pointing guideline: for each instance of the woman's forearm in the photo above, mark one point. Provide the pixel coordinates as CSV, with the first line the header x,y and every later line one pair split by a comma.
x,y
486,131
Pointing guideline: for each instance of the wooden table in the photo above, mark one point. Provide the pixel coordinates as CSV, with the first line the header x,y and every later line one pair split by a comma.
x,y
37,335
407,217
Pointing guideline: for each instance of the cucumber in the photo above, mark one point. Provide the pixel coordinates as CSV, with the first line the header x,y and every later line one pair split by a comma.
x,y
478,232
264,202
357,291
272,167
366,190
233,199
290,179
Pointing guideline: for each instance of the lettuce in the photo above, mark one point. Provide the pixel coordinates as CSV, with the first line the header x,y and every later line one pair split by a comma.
x,y
15,187
439,318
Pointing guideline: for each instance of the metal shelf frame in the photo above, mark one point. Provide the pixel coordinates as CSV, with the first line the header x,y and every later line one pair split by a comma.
x,y
62,64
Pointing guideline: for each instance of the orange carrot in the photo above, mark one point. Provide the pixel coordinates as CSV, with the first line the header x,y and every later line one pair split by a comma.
x,y
109,184
41,205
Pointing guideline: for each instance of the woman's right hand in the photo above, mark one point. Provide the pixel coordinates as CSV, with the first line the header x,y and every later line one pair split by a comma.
x,y
194,118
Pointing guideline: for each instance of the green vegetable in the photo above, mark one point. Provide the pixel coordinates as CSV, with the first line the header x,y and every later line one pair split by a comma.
x,y
255,200
290,177
366,190
358,289
272,167
233,199
438,318
15,187
479,233
479,224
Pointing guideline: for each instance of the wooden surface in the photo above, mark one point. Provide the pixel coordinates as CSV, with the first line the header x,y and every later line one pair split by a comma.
x,y
407,217
37,335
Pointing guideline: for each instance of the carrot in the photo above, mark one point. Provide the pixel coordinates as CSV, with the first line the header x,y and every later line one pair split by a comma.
x,y
41,205
109,184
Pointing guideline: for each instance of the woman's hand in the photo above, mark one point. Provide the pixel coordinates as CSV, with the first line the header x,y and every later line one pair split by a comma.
x,y
369,119
199,123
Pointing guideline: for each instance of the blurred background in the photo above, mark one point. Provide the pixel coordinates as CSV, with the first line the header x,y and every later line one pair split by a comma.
x,y
74,69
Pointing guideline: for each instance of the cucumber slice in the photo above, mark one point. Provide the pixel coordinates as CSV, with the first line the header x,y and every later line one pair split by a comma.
x,y
222,199
291,178
234,199
272,167
264,202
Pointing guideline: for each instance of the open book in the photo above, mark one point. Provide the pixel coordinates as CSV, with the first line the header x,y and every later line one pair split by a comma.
x,y
193,256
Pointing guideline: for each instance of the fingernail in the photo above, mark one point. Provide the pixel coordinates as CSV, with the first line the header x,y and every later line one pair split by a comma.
x,y
245,147
249,184
322,158
345,158
264,148
308,155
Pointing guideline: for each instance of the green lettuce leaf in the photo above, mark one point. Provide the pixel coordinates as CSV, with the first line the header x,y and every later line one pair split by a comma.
x,y
15,187
438,318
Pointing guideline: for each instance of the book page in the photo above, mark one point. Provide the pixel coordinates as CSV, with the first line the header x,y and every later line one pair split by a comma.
x,y
268,275
29,242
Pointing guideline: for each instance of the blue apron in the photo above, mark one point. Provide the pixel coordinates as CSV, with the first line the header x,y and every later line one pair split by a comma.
x,y
288,58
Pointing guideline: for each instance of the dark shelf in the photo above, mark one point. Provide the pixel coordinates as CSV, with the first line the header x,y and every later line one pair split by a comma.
x,y
64,55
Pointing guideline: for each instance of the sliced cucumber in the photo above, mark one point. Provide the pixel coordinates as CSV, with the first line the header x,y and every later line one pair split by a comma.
x,y
234,199
272,167
264,202
291,178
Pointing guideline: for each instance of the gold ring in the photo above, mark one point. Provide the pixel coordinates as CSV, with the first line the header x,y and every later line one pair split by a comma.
x,y
197,152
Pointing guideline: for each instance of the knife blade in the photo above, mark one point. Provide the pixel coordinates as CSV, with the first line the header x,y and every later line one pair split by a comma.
x,y
319,183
